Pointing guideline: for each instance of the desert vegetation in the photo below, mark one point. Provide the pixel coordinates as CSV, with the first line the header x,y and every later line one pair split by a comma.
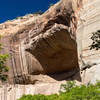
x,y
38,12
95,40
50,5
3,68
70,91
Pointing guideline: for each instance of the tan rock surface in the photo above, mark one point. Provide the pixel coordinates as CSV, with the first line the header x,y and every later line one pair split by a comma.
x,y
89,22
53,44
42,44
14,92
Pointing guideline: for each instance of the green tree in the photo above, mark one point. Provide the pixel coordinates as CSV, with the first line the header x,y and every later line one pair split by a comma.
x,y
3,68
72,92
95,40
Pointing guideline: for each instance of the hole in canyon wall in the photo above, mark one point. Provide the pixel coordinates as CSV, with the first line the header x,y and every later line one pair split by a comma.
x,y
57,54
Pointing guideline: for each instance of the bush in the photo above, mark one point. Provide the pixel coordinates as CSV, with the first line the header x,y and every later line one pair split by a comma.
x,y
95,40
70,92
3,68
50,5
38,12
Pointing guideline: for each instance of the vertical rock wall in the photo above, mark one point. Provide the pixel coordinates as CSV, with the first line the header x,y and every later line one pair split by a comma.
x,y
50,44
88,22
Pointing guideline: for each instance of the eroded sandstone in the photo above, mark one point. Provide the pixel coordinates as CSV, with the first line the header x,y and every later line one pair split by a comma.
x,y
45,49
44,44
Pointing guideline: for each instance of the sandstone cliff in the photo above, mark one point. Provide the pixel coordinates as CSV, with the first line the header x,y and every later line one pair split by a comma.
x,y
43,44
53,46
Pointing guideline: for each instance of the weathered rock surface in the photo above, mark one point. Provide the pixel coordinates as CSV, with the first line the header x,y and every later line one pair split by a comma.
x,y
14,92
54,46
43,44
55,50
88,22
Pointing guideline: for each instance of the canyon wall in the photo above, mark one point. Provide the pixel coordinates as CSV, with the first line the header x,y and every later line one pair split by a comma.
x,y
42,44
88,22
52,47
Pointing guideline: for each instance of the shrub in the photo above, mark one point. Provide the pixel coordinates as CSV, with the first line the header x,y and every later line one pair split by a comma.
x,y
50,5
96,40
18,17
38,12
3,68
72,92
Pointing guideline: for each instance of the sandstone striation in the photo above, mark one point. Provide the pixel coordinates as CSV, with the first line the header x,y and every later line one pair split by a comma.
x,y
42,44
53,46
88,22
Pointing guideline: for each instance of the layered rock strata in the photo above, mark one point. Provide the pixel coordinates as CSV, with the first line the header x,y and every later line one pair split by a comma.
x,y
53,43
43,44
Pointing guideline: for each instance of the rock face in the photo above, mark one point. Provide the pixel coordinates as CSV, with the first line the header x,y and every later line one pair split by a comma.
x,y
12,92
55,46
55,50
43,44
48,48
88,22
54,43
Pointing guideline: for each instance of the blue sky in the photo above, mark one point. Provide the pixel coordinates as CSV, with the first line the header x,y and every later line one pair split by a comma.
x,y
10,9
